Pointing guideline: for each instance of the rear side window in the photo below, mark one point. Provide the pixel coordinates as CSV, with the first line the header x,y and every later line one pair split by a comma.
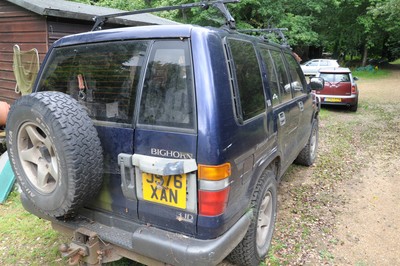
x,y
273,80
324,63
298,83
283,79
168,97
248,77
103,77
313,63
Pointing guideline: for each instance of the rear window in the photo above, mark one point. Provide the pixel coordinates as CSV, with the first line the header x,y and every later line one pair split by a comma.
x,y
107,78
103,77
168,94
335,77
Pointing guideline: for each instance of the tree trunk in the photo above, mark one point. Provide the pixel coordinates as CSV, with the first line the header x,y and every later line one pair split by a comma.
x,y
365,55
147,3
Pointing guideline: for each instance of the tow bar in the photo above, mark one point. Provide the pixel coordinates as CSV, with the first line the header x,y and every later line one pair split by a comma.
x,y
87,247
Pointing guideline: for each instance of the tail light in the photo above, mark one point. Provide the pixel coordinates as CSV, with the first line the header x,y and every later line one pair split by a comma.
x,y
353,89
213,188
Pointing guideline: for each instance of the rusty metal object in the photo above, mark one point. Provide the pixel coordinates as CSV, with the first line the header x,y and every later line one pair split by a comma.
x,y
87,247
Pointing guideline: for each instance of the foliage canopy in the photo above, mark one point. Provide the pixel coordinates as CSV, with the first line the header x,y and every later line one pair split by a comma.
x,y
368,28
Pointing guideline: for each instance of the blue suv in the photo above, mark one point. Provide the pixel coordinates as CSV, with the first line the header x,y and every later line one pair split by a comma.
x,y
163,144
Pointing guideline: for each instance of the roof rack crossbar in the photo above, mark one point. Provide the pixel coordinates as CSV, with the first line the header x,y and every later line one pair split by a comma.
x,y
219,4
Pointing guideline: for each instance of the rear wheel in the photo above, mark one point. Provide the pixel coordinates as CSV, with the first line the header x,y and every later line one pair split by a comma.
x,y
55,152
254,246
354,108
308,154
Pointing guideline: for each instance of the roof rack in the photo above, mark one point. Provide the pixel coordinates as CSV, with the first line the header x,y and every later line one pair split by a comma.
x,y
219,5
277,31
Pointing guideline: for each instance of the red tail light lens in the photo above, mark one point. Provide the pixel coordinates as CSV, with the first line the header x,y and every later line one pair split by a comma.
x,y
353,89
213,203
213,188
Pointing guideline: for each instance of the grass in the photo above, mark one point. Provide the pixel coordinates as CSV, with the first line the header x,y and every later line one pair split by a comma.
x,y
396,62
26,239
374,74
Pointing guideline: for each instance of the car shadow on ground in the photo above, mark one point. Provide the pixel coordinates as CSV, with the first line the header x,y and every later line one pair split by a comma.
x,y
336,108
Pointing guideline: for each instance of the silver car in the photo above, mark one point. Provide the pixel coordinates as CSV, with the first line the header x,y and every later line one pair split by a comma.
x,y
311,67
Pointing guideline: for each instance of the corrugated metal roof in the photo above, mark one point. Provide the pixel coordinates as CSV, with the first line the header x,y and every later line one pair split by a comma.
x,y
73,10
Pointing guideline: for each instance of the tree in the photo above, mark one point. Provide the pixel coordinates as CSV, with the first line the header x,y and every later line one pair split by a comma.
x,y
343,27
387,15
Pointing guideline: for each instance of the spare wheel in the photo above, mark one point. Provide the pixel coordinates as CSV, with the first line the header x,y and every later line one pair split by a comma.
x,y
55,152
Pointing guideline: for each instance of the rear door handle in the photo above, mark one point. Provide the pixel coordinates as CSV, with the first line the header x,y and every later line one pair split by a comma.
x,y
282,118
301,106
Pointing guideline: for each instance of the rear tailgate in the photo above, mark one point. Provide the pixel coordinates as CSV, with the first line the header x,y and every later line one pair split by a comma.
x,y
337,85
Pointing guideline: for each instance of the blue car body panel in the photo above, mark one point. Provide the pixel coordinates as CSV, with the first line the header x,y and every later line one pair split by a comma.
x,y
273,137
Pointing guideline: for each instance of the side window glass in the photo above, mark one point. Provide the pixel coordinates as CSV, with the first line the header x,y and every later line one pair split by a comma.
x,y
284,84
249,80
167,98
103,77
313,63
324,63
273,81
298,83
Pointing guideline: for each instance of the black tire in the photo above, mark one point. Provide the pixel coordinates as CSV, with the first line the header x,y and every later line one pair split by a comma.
x,y
55,152
255,244
308,154
354,108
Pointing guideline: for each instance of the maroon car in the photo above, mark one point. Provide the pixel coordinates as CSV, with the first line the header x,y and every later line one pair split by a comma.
x,y
340,88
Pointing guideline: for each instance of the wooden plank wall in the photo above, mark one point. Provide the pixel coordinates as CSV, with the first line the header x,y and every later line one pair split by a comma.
x,y
58,28
22,27
29,30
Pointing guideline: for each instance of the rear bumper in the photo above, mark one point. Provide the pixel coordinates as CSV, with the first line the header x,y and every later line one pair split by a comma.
x,y
156,244
338,99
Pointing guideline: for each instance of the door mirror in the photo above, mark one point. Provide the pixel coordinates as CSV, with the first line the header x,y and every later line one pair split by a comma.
x,y
317,83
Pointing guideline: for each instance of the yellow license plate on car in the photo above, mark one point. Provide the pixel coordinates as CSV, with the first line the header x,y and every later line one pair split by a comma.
x,y
168,190
333,100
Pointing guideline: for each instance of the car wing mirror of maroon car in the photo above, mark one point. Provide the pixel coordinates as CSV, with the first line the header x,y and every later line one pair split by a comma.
x,y
355,78
316,84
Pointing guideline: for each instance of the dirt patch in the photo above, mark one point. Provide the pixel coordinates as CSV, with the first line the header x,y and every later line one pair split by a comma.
x,y
381,91
369,227
345,209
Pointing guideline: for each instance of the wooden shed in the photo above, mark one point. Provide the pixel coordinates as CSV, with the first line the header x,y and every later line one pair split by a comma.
x,y
39,23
